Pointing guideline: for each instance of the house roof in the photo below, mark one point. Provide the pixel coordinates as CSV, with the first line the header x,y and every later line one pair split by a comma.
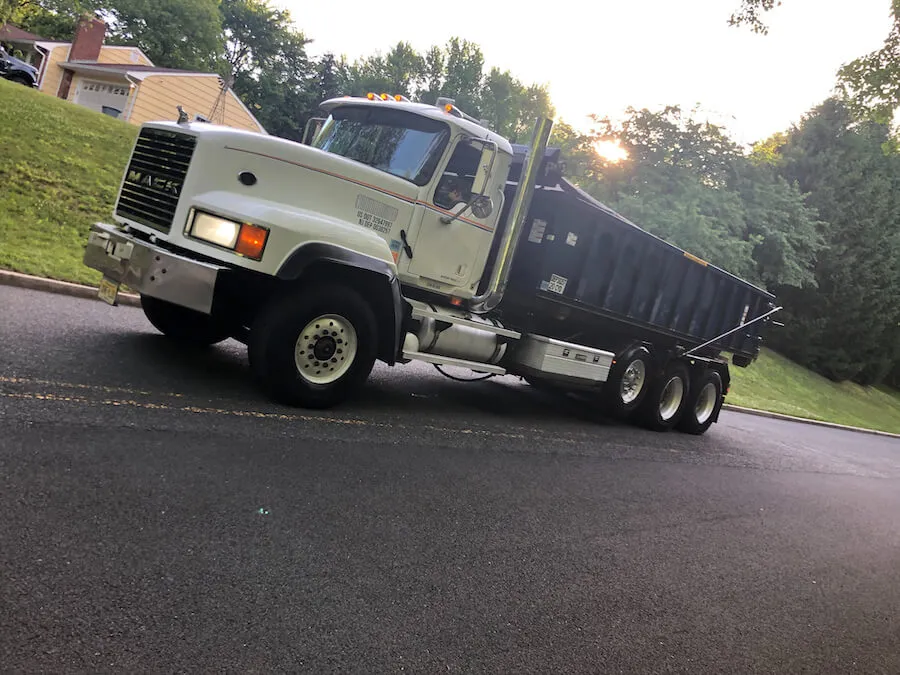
x,y
11,33
122,69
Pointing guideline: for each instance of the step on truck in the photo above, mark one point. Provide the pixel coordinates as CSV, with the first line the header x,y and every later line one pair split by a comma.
x,y
401,231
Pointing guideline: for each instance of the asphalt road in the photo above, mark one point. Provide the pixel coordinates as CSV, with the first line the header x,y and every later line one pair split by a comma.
x,y
158,514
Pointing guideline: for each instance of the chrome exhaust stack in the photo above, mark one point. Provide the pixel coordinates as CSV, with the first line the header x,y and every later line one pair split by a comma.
x,y
493,294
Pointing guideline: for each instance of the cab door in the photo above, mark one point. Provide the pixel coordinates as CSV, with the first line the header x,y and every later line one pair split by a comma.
x,y
453,253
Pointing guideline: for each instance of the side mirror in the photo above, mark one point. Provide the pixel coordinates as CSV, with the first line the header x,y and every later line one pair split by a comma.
x,y
482,206
313,127
485,167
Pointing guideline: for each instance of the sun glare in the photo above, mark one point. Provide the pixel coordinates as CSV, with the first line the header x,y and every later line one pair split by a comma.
x,y
610,150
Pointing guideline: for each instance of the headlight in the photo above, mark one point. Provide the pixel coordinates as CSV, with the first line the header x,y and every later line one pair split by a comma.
x,y
215,230
243,238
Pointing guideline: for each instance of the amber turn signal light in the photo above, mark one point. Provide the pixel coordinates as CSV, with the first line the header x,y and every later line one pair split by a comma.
x,y
251,241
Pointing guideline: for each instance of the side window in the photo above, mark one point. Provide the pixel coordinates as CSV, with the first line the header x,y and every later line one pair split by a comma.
x,y
455,185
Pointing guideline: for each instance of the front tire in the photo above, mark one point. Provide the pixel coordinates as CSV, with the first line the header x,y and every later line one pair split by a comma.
x,y
667,398
314,348
182,324
703,404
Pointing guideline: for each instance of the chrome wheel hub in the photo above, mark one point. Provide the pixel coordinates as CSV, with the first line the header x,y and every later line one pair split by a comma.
x,y
632,381
325,349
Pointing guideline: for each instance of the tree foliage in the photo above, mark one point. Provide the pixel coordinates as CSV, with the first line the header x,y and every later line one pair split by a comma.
x,y
871,83
848,327
750,13
265,59
689,183
172,33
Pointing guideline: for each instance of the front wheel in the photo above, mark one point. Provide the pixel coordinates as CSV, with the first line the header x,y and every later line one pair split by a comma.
x,y
182,324
315,347
703,404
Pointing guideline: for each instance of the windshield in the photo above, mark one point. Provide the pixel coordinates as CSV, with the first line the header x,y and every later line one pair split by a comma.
x,y
395,141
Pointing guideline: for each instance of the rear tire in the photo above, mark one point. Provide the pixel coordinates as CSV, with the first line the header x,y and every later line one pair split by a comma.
x,y
315,347
628,382
703,404
182,324
21,79
667,398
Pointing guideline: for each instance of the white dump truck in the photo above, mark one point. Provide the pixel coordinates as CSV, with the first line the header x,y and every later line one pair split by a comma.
x,y
401,231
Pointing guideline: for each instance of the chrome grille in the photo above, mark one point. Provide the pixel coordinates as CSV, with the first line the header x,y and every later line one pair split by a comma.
x,y
155,177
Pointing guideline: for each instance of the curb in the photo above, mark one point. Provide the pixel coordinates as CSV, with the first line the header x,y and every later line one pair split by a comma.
x,y
806,420
9,278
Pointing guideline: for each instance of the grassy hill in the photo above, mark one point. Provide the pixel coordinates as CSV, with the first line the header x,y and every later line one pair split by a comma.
x,y
61,166
777,384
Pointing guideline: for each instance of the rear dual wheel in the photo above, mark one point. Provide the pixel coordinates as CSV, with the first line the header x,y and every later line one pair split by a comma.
x,y
667,399
703,404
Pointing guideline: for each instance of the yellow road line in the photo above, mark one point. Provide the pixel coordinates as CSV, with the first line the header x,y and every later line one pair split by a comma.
x,y
147,405
92,387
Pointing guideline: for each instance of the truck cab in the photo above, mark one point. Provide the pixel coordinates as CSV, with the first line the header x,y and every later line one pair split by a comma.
x,y
388,200
440,227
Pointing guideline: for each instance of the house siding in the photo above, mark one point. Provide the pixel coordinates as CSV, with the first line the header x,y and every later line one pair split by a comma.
x,y
53,72
158,96
131,56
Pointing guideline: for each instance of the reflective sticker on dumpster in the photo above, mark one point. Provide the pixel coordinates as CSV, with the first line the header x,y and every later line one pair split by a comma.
x,y
557,284
538,227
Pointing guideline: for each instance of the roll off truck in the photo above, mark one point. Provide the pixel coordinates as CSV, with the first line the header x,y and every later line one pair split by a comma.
x,y
401,231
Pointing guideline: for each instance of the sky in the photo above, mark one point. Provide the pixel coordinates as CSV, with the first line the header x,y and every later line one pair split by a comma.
x,y
601,56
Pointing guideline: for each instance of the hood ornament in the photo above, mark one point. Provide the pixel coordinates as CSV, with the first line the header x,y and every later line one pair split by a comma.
x,y
183,117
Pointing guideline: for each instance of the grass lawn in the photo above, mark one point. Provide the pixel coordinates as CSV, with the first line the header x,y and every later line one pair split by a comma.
x,y
60,167
774,383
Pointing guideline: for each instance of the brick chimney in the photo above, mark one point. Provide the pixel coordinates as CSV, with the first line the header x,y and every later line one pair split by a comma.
x,y
88,40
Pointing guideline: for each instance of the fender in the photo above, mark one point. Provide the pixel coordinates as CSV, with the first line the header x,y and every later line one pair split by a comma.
x,y
391,298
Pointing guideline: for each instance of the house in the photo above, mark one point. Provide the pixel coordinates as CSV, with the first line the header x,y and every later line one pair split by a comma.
x,y
122,81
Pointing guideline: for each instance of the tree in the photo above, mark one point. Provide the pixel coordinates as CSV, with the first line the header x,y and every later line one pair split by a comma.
x,y
750,13
464,74
848,327
433,75
268,62
871,83
332,78
51,19
404,68
786,232
172,33
689,183
510,107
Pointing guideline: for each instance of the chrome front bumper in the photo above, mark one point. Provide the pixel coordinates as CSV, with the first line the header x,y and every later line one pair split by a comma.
x,y
151,270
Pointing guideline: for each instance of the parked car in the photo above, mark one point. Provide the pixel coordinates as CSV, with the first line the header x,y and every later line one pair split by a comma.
x,y
17,70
